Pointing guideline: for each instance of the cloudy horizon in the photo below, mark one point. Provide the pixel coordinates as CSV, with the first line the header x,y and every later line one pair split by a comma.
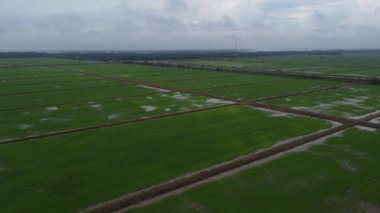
x,y
32,25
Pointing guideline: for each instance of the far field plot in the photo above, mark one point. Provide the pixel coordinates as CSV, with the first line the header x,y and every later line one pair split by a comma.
x,y
220,83
178,78
353,101
135,71
342,175
10,75
57,117
36,61
348,64
259,90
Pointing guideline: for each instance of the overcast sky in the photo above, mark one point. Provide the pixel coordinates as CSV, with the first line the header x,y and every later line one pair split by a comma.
x,y
188,24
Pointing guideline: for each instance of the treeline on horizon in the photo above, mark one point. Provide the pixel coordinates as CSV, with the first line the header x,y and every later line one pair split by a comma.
x,y
166,55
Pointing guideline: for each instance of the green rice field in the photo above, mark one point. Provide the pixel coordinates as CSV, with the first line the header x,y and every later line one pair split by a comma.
x,y
75,134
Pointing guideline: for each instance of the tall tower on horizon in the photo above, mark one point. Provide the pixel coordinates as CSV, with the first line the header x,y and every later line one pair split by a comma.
x,y
235,53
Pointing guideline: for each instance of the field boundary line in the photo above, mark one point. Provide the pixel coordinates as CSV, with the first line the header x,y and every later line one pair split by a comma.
x,y
107,125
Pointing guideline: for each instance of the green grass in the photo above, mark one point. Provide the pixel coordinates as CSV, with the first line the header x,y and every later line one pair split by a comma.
x,y
341,176
68,173
357,100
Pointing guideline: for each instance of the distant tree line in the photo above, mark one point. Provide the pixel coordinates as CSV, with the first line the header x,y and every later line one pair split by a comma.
x,y
179,55
115,56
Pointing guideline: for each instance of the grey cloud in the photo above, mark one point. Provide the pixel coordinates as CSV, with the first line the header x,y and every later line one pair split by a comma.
x,y
186,24
162,23
60,23
224,23
177,5
268,7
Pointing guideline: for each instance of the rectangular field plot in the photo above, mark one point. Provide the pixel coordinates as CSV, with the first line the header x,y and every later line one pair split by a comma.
x,y
341,175
354,101
220,82
269,89
21,123
72,172
176,78
57,86
59,97
345,64
147,73
47,79
20,73
191,76
126,70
